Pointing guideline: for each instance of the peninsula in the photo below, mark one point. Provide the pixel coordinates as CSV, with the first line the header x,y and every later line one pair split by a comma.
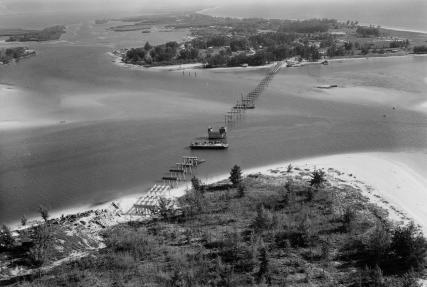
x,y
230,42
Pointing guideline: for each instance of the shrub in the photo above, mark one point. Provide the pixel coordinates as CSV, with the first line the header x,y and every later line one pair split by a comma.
x,y
326,249
310,194
192,203
241,189
348,217
235,175
264,266
195,183
377,245
263,219
39,253
233,251
317,178
44,212
24,220
408,249
6,238
306,229
165,207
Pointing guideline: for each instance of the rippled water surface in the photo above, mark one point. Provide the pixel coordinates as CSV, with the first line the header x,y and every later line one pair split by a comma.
x,y
77,129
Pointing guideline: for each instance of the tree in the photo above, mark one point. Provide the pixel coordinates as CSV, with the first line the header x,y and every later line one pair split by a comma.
x,y
44,212
38,254
24,220
241,190
235,175
6,238
264,266
317,178
357,45
195,183
147,46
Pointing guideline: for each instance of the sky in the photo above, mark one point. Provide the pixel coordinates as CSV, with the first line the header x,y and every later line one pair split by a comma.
x,y
30,6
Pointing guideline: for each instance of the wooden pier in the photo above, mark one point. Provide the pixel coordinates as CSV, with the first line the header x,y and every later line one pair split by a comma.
x,y
248,101
147,204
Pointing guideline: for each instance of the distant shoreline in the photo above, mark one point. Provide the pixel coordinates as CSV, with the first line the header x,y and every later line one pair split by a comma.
x,y
203,12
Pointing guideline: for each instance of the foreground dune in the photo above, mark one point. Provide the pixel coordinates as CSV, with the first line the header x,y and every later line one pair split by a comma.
x,y
396,181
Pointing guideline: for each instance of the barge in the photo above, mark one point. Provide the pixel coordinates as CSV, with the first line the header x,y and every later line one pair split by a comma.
x,y
208,145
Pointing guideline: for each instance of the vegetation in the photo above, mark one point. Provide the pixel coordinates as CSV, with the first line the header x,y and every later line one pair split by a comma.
x,y
368,31
420,49
24,220
14,53
38,254
235,175
241,190
235,41
260,239
44,212
6,238
196,184
51,33
169,53
231,42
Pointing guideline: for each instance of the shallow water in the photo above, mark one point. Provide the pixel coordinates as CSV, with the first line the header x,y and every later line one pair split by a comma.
x,y
125,127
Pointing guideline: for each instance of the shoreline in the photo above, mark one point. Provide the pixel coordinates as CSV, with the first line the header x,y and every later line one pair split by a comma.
x,y
179,67
184,67
396,181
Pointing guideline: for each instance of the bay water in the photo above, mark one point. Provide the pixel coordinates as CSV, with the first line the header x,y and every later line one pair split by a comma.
x,y
78,129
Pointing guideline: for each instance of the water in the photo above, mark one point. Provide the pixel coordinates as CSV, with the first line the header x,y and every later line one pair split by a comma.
x,y
125,127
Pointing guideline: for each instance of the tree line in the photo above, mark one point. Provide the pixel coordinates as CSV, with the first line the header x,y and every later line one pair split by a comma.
x,y
161,54
420,49
51,33
11,53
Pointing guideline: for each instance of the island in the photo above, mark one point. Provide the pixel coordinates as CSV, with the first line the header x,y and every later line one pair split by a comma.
x,y
232,42
13,54
21,35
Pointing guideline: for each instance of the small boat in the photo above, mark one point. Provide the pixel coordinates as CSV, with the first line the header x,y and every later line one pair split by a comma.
x,y
208,145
